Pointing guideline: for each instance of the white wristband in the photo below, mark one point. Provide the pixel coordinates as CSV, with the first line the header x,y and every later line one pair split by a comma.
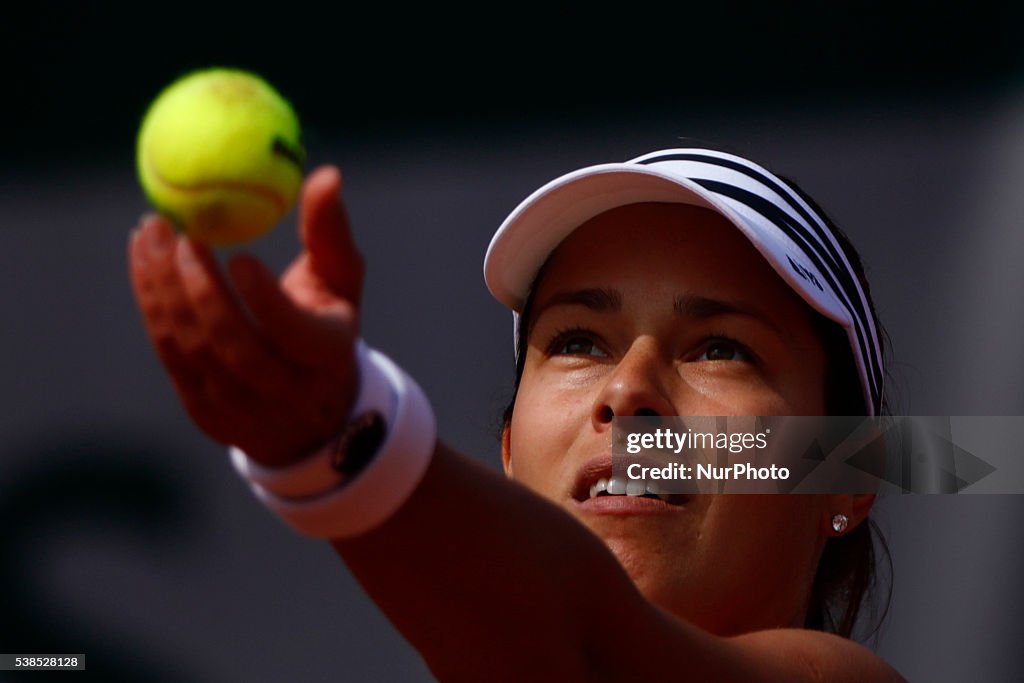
x,y
374,494
315,473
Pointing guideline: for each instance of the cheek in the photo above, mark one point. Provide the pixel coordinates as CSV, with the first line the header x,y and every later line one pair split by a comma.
x,y
546,421
716,392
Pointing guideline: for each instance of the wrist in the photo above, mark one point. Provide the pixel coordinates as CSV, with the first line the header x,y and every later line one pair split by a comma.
x,y
318,471
364,474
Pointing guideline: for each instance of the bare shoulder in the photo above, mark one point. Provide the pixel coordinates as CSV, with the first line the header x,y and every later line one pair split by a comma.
x,y
813,656
662,646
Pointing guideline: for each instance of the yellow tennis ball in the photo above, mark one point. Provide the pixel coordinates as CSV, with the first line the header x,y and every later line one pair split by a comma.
x,y
219,153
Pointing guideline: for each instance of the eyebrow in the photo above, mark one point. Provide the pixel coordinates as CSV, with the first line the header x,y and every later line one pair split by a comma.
x,y
603,300
596,299
702,307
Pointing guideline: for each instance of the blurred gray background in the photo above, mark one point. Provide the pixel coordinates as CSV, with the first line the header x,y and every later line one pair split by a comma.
x,y
127,536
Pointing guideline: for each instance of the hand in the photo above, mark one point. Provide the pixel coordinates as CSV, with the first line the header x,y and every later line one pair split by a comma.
x,y
268,365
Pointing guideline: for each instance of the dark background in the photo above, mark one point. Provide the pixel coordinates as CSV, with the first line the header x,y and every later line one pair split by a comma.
x,y
83,72
125,534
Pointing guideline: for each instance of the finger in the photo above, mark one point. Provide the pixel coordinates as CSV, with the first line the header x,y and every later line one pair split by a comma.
x,y
157,288
138,259
327,235
305,338
234,339
148,294
200,381
159,295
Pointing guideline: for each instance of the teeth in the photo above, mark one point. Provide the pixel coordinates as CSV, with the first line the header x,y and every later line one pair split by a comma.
x,y
635,487
621,486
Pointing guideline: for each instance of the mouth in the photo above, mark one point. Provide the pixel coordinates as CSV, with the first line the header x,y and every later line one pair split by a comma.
x,y
595,482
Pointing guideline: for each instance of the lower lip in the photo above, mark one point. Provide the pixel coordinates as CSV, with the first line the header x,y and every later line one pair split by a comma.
x,y
627,505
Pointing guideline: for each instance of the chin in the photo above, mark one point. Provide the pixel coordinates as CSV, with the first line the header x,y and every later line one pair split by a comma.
x,y
669,581
661,578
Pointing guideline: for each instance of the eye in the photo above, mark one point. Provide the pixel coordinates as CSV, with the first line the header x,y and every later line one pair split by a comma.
x,y
725,349
576,343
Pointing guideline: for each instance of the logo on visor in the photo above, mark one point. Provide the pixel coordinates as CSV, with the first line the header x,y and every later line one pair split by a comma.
x,y
804,273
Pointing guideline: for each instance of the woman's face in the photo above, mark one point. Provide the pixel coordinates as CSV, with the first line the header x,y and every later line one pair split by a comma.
x,y
668,309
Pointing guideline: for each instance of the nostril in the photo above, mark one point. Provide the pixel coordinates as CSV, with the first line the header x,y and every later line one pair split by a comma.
x,y
605,415
646,412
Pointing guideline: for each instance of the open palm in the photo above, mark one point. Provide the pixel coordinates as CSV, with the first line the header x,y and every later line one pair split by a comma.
x,y
266,365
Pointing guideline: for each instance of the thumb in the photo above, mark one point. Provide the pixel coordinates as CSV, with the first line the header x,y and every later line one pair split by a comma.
x,y
327,236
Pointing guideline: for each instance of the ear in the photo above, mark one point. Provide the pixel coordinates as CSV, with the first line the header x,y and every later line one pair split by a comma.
x,y
855,507
506,450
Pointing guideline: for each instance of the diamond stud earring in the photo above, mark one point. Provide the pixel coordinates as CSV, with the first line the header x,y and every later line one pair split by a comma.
x,y
839,522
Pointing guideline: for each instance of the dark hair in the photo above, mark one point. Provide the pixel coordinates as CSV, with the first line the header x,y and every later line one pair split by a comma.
x,y
847,571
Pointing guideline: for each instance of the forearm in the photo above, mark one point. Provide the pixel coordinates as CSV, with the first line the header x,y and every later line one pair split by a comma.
x,y
476,569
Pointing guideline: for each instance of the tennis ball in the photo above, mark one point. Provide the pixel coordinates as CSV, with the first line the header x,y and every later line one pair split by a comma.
x,y
219,153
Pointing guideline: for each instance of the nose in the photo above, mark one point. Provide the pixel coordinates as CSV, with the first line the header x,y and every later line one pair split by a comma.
x,y
636,387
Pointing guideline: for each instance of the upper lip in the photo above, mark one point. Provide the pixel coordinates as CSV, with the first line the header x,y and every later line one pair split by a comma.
x,y
601,468
588,475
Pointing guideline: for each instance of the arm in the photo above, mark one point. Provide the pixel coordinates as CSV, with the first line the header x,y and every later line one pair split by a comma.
x,y
474,569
